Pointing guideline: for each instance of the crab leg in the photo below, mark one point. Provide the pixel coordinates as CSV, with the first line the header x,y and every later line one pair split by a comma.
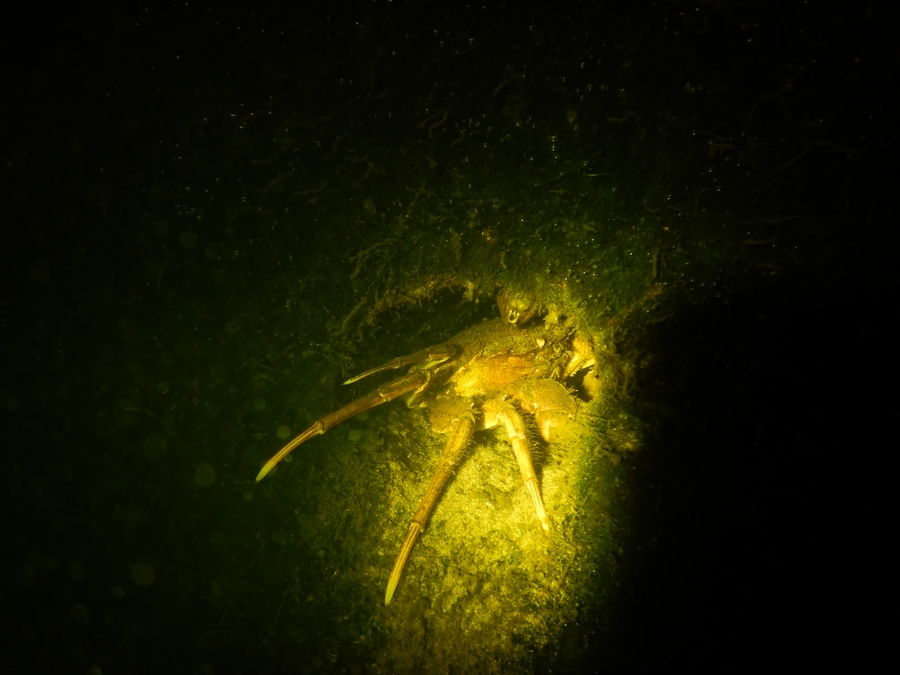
x,y
498,411
414,381
431,356
460,433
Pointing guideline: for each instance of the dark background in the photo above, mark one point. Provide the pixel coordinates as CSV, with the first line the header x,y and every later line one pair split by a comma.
x,y
749,148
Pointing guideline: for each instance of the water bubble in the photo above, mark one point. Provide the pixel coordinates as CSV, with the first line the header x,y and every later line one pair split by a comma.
x,y
81,614
188,240
142,574
204,475
75,573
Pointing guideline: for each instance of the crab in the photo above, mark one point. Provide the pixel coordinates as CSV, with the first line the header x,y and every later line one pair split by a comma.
x,y
484,377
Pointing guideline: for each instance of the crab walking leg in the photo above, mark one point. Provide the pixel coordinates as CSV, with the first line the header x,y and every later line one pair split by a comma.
x,y
460,434
515,429
411,382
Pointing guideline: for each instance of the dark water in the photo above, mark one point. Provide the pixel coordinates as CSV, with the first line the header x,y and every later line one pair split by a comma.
x,y
212,216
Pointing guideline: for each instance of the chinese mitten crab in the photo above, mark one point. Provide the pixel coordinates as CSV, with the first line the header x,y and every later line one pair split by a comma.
x,y
484,377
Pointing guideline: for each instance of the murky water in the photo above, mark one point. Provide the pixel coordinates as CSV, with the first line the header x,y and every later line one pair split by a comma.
x,y
220,216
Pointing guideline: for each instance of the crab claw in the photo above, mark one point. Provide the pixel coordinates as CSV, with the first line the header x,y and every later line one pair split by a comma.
x,y
423,360
415,380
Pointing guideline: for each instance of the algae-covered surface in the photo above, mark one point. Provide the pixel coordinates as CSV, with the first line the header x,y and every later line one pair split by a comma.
x,y
216,216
